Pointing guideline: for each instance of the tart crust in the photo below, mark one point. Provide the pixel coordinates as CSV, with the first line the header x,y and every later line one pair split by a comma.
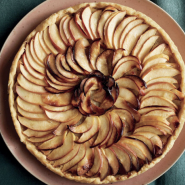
x,y
32,148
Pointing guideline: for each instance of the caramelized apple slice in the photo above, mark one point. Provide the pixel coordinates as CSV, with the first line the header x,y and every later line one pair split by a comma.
x,y
87,162
158,50
152,129
95,16
32,133
56,39
90,133
157,101
53,143
29,107
147,46
94,53
178,93
97,163
122,156
118,54
64,149
112,160
48,42
113,137
85,15
153,137
37,116
161,112
84,127
75,32
138,147
119,29
57,109
62,116
154,118
127,29
103,130
68,157
29,96
57,100
145,36
80,55
36,125
40,139
125,67
132,37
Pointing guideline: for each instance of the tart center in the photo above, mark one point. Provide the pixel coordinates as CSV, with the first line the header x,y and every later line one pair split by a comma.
x,y
96,94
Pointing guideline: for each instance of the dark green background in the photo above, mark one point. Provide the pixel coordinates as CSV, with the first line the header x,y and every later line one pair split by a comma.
x,y
11,172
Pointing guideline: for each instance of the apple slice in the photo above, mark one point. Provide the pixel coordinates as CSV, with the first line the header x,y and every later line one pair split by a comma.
x,y
103,130
42,43
87,162
138,147
153,137
103,62
104,16
53,143
48,42
94,52
62,116
75,31
147,46
162,113
33,54
63,150
64,126
157,101
67,31
23,82
95,16
121,103
85,15
34,116
71,61
30,69
145,36
90,133
112,160
174,122
118,54
178,93
36,125
161,93
128,96
57,109
145,140
39,51
56,39
113,137
146,118
29,96
29,107
65,65
109,34
32,133
80,55
127,29
97,163
104,170
158,50
68,157
84,127
31,78
164,79
57,100
40,139
122,60
132,37
61,30
122,156
158,71
119,29
33,64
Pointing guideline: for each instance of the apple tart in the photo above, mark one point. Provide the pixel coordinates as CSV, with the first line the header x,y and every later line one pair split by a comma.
x,y
96,93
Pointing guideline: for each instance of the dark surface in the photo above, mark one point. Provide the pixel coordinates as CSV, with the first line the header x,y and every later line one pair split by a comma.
x,y
11,172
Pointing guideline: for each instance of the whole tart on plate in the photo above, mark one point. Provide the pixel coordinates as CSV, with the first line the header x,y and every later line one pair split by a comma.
x,y
96,93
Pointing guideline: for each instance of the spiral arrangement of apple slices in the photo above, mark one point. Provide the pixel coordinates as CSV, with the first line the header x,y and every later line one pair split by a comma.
x,y
98,93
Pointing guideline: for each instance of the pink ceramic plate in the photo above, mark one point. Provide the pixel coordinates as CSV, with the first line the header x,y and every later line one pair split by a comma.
x,y
11,46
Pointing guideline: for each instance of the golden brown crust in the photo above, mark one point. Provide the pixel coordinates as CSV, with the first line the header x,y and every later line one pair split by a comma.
x,y
32,148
